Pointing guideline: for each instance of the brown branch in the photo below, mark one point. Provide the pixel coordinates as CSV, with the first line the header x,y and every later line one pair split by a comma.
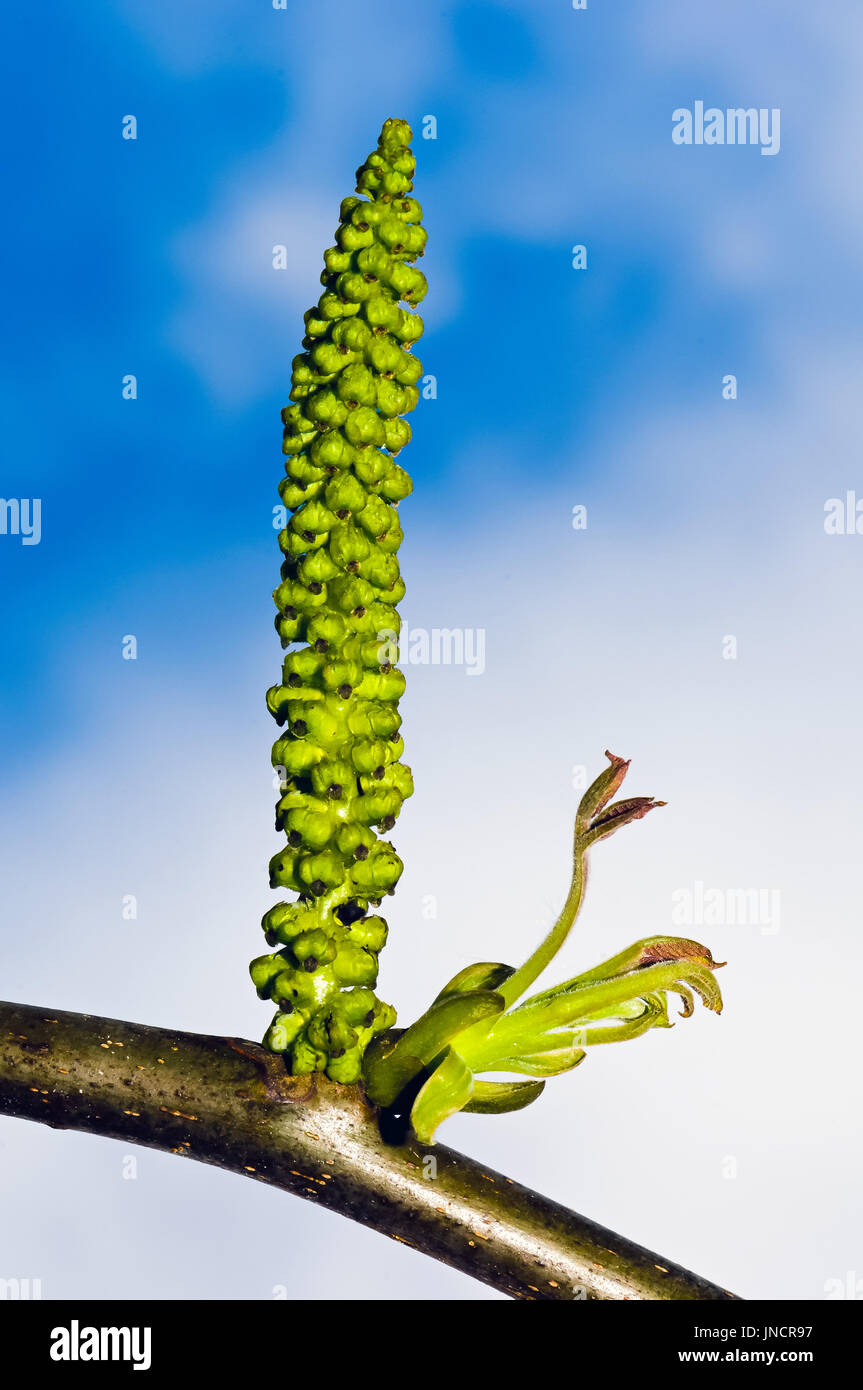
x,y
228,1102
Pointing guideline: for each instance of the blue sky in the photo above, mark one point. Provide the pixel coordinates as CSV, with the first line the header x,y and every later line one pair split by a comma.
x,y
555,387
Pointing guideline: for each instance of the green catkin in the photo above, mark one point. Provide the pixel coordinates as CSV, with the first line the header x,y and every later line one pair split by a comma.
x,y
342,779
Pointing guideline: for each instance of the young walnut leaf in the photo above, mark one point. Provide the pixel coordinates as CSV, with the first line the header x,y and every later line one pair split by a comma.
x,y
552,1031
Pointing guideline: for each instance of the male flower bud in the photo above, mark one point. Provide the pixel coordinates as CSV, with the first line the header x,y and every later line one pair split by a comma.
x,y
338,756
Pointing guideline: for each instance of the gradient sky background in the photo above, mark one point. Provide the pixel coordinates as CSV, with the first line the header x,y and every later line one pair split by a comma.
x,y
555,388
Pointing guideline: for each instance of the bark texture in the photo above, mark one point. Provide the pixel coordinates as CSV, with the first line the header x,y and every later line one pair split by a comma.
x,y
230,1103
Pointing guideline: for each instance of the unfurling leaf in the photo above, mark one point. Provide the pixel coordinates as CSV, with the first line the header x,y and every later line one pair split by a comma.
x,y
391,1064
498,1097
448,1090
477,1026
483,975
